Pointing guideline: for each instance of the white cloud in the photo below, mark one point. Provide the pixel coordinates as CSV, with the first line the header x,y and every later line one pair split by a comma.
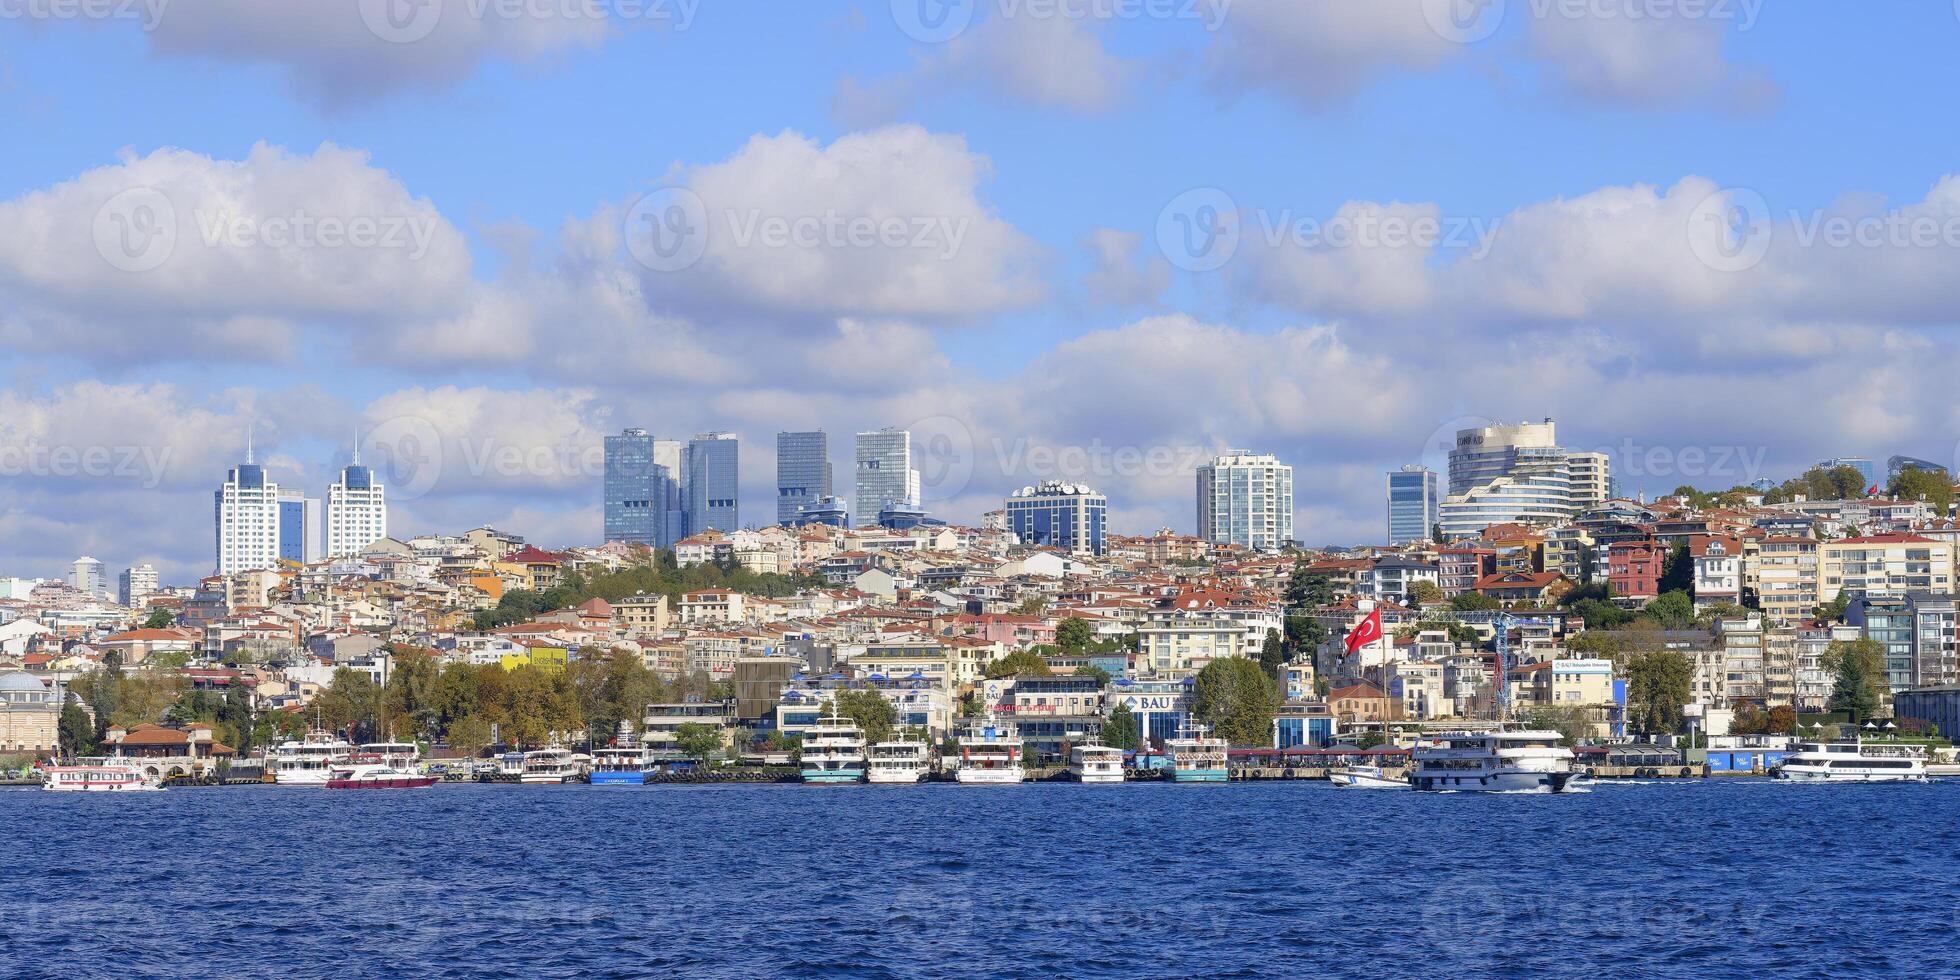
x,y
1124,273
1019,56
1645,62
1322,53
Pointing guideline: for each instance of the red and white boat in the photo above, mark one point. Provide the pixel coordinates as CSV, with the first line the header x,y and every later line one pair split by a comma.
x,y
99,778
374,772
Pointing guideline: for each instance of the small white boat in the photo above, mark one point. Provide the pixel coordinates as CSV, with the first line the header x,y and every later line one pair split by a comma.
x,y
900,761
97,777
1365,777
1094,762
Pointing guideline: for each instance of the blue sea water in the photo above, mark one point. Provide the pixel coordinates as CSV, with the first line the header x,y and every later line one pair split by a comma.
x,y
1696,878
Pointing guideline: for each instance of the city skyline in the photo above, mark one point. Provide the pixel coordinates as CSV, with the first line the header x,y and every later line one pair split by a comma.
x,y
496,315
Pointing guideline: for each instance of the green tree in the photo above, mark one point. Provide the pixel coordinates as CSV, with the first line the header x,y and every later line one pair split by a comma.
x,y
1091,670
1121,729
870,711
1659,683
170,660
1678,572
1833,611
1304,633
1913,483
1573,723
1860,667
159,618
469,735
75,731
1019,663
1307,590
1473,602
698,742
1596,643
1074,634
1424,592
1236,698
1272,654
1675,610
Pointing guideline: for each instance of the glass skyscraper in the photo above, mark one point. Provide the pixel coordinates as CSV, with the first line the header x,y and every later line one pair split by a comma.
x,y
642,491
884,472
1412,501
802,472
713,483
1062,516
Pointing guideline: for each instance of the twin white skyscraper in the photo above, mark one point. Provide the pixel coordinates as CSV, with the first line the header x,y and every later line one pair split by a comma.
x,y
259,524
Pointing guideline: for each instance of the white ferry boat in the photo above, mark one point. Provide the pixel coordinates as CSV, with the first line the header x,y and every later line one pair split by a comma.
x,y
833,751
1094,762
990,753
96,776
400,755
365,771
899,761
1196,755
1494,762
616,765
548,766
1854,762
1365,777
307,762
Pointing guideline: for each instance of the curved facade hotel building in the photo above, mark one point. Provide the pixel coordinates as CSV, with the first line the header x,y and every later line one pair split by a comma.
x,y
1518,474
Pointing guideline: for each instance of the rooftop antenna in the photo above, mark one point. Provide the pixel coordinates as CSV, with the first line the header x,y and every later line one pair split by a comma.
x,y
357,446
248,441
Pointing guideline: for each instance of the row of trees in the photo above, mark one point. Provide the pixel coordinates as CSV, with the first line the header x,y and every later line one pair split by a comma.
x,y
658,575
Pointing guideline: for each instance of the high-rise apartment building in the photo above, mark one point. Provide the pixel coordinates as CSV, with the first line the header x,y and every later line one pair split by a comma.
x,y
638,491
136,584
246,509
884,472
299,526
1519,474
713,483
1063,516
357,510
1413,497
1246,499
802,472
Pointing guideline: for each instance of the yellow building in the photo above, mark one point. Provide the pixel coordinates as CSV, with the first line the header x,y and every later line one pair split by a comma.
x,y
1884,563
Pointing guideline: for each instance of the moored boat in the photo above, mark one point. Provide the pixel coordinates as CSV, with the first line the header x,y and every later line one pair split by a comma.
x,y
548,766
990,753
1493,762
1094,762
373,771
833,751
307,762
901,760
96,776
1854,762
1196,756
623,763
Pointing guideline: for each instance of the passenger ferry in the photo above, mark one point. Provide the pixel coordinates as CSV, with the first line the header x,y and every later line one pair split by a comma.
x,y
990,753
373,771
619,766
903,760
1494,762
548,766
1094,762
833,751
1196,756
1365,777
96,776
401,755
307,762
1854,762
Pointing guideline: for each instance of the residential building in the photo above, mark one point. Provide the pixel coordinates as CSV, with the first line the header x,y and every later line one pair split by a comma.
x,y
1184,645
30,715
1718,569
1884,563
1246,499
1786,575
356,511
713,483
1459,569
802,473
136,584
1413,499
247,517
1064,516
885,474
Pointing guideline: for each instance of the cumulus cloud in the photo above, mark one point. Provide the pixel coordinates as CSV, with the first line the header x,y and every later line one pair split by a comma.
x,y
339,53
1319,54
1646,62
1124,273
1025,57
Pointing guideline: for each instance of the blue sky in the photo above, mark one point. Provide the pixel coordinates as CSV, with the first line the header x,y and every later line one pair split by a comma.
x,y
1586,137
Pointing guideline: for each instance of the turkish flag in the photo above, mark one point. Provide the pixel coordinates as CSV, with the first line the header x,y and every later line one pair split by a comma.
x,y
1873,492
1368,632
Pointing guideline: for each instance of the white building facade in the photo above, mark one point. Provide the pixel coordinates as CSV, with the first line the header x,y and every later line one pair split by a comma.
x,y
1246,499
357,511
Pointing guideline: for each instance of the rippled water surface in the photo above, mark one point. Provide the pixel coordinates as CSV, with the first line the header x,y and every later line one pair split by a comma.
x,y
1739,878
